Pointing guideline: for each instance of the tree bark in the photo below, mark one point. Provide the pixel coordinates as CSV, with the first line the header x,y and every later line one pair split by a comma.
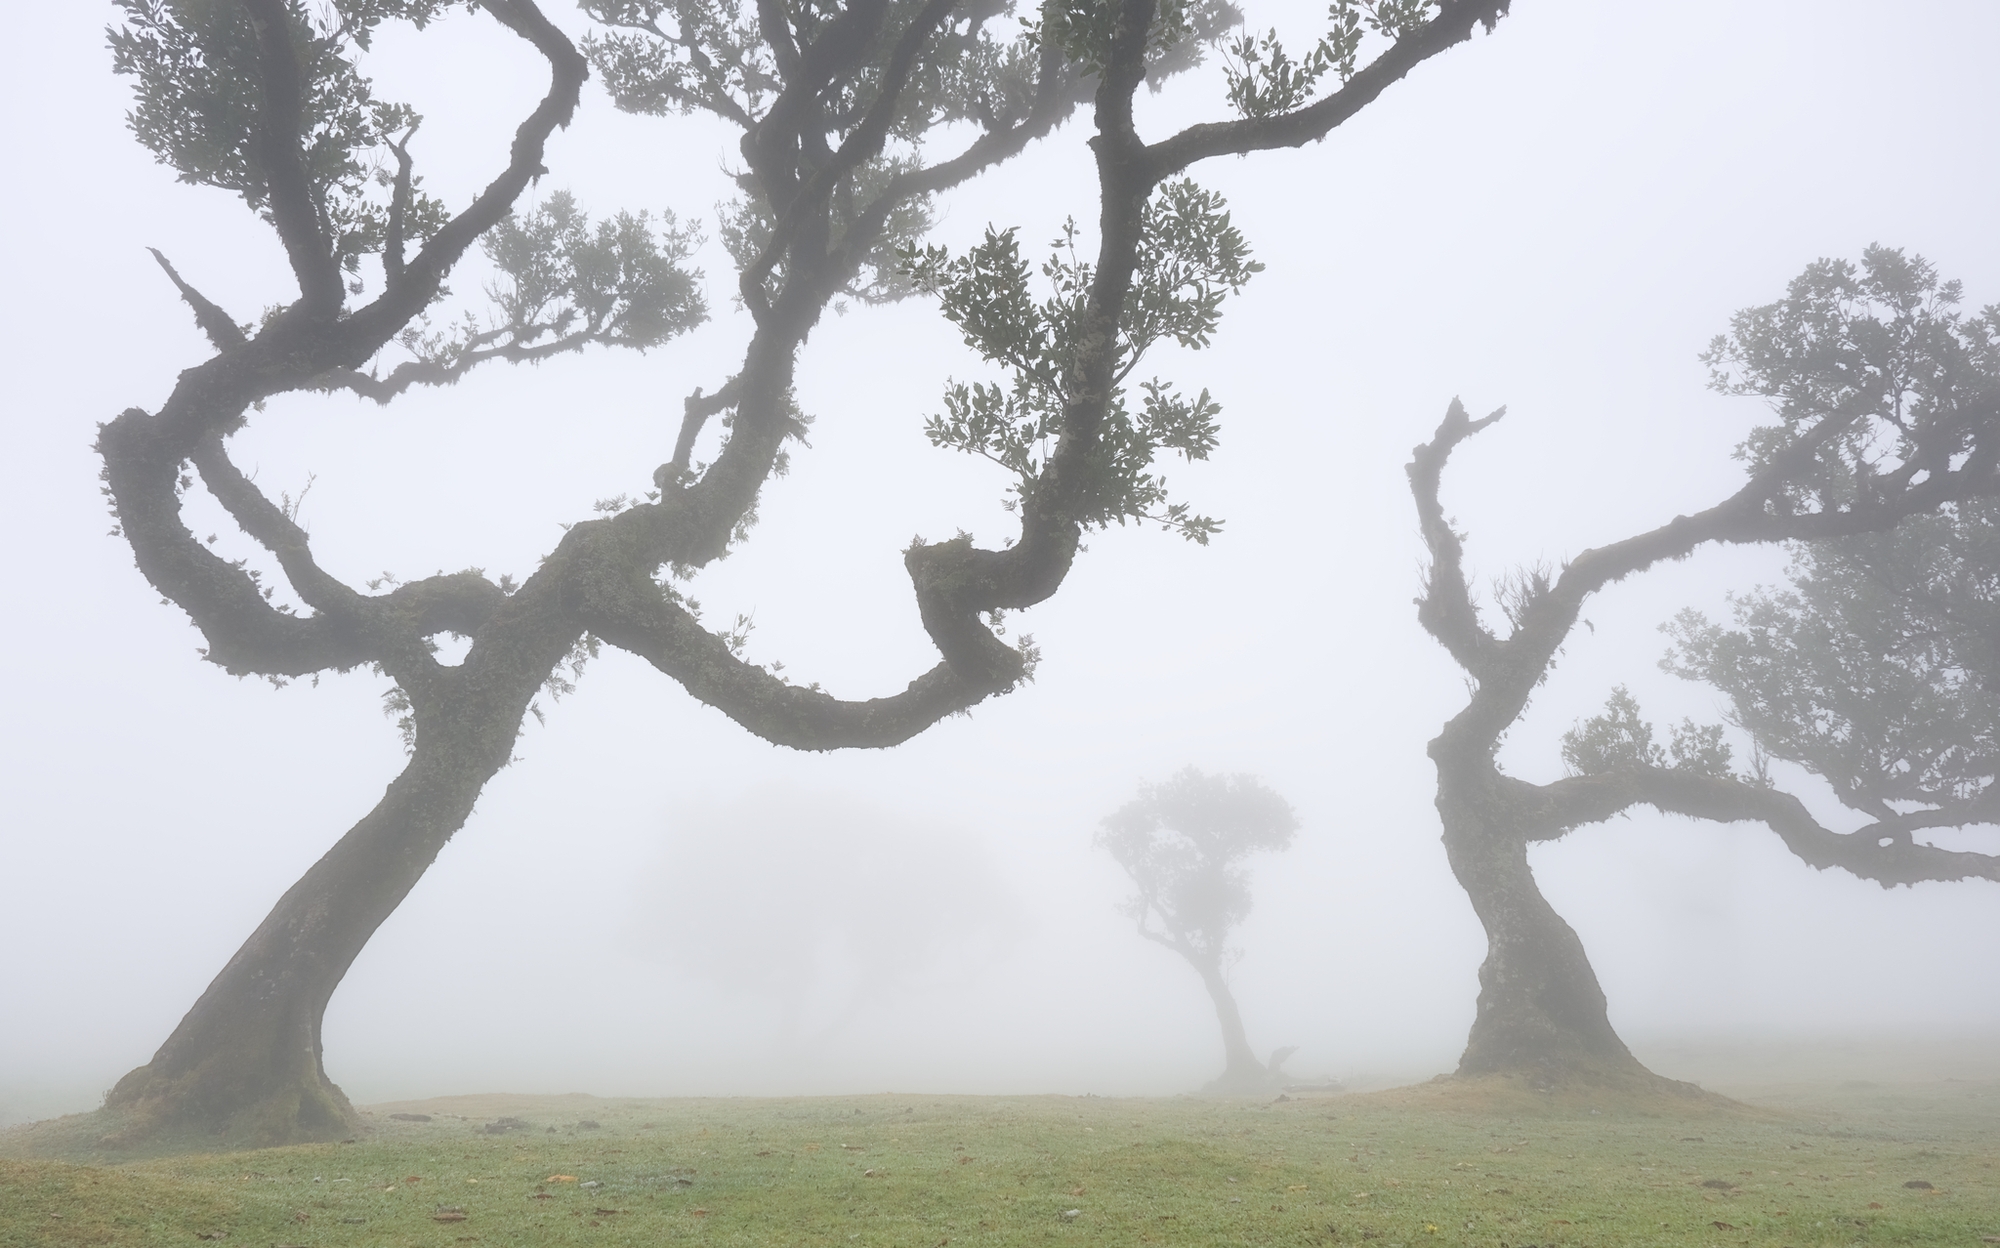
x,y
1240,1064
245,1064
1541,1011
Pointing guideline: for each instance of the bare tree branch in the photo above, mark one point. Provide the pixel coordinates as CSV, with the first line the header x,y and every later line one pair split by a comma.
x,y
294,208
668,636
1883,851
1446,609
1452,25
374,324
221,329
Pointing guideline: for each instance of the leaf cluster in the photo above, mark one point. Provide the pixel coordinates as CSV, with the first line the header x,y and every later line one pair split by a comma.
x,y
715,57
1189,260
1263,79
199,110
1084,31
621,283
1877,667
1619,740
1881,347
561,284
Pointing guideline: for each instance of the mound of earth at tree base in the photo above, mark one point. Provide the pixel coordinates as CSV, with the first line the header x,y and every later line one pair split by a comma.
x,y
1591,1092
108,1137
117,1134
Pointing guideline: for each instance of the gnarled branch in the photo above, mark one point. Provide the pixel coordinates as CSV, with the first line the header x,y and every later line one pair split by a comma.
x,y
1883,851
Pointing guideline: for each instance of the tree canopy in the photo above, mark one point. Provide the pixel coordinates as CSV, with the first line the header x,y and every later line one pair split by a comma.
x,y
1184,841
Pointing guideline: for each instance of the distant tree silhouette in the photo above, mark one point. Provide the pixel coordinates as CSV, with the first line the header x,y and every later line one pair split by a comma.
x,y
1183,842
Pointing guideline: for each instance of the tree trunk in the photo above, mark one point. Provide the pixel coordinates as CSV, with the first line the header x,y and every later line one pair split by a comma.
x,y
244,1064
1241,1065
1541,1011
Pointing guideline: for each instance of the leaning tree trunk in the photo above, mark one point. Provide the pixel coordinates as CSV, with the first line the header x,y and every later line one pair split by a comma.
x,y
1541,1012
1241,1068
244,1064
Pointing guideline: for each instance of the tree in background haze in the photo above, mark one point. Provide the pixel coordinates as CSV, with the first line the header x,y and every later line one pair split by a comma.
x,y
824,908
838,107
1871,672
1183,842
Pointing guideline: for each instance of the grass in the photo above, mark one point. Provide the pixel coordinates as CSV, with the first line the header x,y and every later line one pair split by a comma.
x,y
1419,1168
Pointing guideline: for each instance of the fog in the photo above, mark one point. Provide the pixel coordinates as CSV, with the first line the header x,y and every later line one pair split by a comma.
x,y
650,901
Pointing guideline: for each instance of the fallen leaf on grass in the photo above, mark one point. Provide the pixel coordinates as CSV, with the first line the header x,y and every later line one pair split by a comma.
x,y
699,1213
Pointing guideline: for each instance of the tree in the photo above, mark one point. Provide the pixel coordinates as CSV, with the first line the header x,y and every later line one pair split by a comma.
x,y
838,108
1887,405
1183,842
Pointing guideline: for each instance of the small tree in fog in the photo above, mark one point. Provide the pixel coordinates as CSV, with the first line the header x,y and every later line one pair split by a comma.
x,y
1183,842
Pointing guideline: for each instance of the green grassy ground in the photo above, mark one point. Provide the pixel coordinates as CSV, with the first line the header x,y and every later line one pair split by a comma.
x,y
1418,1169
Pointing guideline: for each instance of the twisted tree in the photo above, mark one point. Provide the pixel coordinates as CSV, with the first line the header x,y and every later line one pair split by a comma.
x,y
1183,842
837,105
1887,405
